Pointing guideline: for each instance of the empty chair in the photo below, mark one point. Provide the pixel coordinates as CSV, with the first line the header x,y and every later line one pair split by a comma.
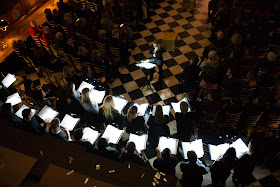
x,y
116,56
246,93
77,63
251,122
102,48
232,120
209,118
273,124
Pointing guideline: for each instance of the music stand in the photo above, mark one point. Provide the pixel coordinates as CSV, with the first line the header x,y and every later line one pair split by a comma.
x,y
148,66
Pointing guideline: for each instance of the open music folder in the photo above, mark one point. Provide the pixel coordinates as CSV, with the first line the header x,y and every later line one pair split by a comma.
x,y
19,112
97,96
196,146
8,80
165,109
14,99
217,151
69,123
240,147
90,135
139,141
141,108
176,106
119,103
146,64
47,113
113,134
85,85
170,143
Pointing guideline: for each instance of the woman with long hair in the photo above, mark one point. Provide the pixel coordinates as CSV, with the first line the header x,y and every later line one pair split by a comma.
x,y
157,126
109,114
134,123
156,53
87,103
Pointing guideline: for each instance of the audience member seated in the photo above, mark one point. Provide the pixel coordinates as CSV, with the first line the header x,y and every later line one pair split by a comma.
x,y
193,171
234,105
220,170
58,131
264,69
165,162
191,73
244,167
110,116
132,155
211,104
184,122
250,81
211,62
34,30
232,83
8,113
30,124
121,45
157,126
103,149
134,124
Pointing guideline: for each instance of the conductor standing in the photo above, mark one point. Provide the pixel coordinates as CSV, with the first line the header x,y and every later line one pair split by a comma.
x,y
156,53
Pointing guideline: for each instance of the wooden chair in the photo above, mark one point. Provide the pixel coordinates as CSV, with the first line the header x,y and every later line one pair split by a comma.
x,y
37,41
225,94
116,56
251,122
232,120
54,50
266,91
209,118
47,47
246,93
244,70
62,56
53,26
273,124
82,38
206,91
77,64
102,49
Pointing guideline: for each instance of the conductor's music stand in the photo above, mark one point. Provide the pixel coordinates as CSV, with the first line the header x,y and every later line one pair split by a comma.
x,y
148,66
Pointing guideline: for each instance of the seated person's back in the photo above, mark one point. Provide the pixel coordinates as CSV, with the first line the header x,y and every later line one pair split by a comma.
x,y
132,155
166,163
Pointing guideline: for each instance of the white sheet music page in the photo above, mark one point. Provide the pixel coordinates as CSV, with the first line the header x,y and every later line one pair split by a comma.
x,y
217,151
119,103
196,146
85,85
140,141
146,64
165,109
176,106
14,99
90,135
240,147
69,122
170,143
112,134
8,80
97,95
141,108
19,112
47,113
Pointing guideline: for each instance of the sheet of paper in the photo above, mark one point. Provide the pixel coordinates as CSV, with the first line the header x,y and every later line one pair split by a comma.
x,y
97,95
19,112
14,99
216,151
112,134
47,113
170,143
119,103
8,80
69,122
165,109
141,108
85,85
146,64
240,147
176,106
140,141
196,146
90,135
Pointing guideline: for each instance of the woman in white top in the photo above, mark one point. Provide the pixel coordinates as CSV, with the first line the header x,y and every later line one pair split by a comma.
x,y
87,103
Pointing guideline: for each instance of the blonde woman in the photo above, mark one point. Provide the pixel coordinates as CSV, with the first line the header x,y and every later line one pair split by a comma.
x,y
133,122
156,53
87,103
109,114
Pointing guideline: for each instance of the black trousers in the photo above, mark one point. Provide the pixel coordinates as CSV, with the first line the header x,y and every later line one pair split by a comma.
x,y
152,71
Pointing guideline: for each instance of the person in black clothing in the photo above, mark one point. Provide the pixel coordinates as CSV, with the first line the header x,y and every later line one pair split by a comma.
x,y
192,171
78,136
166,163
264,69
156,53
184,123
58,131
232,83
121,45
157,126
244,167
221,168
191,73
8,113
134,123
30,124
103,149
130,155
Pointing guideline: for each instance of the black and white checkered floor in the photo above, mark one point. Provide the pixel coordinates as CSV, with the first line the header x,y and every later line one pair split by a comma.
x,y
192,36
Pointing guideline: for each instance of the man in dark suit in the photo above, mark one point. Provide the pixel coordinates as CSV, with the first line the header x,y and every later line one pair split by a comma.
x,y
30,124
166,163
8,113
156,53
130,155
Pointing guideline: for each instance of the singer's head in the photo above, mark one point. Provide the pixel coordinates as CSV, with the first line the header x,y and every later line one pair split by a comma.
x,y
109,107
85,96
157,43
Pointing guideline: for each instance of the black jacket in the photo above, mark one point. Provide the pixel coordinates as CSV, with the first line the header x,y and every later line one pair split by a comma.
x,y
184,126
137,124
158,59
166,166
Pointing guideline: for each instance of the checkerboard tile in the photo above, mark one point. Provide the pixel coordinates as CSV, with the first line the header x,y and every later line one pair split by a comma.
x,y
193,35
